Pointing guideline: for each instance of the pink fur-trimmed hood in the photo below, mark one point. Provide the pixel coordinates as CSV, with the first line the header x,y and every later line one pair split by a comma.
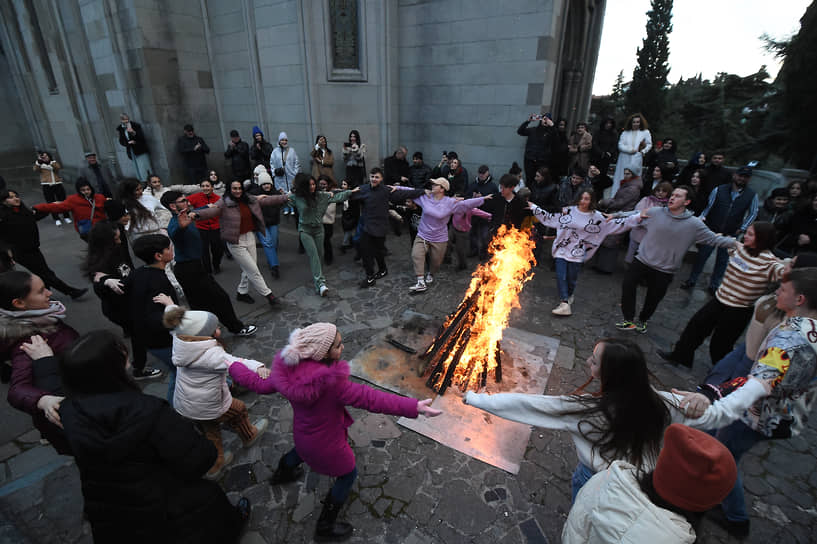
x,y
308,380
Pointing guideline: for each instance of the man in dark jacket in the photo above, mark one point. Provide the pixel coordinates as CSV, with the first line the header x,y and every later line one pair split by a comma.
x,y
374,216
261,149
716,174
732,208
238,151
396,168
572,186
100,176
132,139
539,146
483,185
200,288
508,209
194,153
419,172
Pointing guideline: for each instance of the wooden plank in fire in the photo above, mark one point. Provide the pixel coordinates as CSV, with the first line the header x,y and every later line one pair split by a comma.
x,y
454,362
454,324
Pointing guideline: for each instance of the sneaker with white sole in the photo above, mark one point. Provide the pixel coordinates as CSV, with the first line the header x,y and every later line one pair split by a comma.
x,y
58,223
418,287
641,327
562,309
248,330
429,278
625,325
67,221
147,373
323,290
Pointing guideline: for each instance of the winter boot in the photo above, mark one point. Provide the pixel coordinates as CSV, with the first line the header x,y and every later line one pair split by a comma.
x,y
328,529
284,474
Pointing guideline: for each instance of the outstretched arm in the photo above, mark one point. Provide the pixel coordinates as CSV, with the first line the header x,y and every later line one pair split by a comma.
x,y
367,398
539,410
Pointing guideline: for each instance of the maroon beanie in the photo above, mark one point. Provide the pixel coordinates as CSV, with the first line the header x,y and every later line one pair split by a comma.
x,y
694,471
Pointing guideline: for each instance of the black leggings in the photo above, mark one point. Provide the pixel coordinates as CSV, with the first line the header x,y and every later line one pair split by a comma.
x,y
203,293
211,244
35,262
328,230
724,323
54,193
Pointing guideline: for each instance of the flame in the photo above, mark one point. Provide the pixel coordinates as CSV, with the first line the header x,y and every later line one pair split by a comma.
x,y
496,285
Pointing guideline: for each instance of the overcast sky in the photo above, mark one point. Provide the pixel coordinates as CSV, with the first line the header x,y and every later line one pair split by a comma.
x,y
708,36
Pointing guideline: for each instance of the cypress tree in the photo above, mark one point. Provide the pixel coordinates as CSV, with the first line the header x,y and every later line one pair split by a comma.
x,y
648,87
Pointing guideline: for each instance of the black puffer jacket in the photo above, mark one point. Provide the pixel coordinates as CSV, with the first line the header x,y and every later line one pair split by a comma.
x,y
141,466
272,214
18,227
541,141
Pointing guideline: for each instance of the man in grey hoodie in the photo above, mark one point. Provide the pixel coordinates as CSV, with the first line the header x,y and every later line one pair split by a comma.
x,y
670,232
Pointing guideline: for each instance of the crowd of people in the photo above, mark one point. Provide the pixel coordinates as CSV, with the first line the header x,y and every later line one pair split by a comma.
x,y
628,436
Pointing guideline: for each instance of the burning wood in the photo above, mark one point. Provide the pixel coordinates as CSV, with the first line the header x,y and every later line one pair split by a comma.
x,y
466,348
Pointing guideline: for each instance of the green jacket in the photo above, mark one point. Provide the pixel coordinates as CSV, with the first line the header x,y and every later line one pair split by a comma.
x,y
310,217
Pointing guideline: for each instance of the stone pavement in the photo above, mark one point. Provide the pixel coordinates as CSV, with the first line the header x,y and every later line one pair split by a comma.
x,y
410,489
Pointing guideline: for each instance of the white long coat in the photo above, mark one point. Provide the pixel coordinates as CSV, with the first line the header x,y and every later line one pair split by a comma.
x,y
628,154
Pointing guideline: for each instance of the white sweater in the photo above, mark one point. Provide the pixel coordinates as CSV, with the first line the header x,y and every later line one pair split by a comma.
x,y
546,412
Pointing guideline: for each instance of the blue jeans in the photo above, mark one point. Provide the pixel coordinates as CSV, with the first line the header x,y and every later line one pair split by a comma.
x,y
721,260
164,355
580,477
269,239
343,485
735,364
566,275
738,439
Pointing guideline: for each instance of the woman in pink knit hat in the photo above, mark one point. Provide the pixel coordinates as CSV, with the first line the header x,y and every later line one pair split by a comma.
x,y
310,374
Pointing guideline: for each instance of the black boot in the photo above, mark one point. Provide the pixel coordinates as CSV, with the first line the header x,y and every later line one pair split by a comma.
x,y
329,530
284,474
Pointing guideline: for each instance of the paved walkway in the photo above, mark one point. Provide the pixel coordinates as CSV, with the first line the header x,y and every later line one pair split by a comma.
x,y
410,489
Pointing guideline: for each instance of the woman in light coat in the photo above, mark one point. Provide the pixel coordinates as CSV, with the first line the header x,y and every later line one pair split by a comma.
x,y
285,166
633,144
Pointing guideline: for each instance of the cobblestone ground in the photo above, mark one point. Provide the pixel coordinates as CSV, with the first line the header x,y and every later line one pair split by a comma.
x,y
411,489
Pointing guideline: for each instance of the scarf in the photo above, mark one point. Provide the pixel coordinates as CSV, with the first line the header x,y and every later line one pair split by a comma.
x,y
41,318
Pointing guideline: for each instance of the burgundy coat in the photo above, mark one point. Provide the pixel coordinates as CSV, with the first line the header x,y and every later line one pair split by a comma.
x,y
319,394
231,216
23,394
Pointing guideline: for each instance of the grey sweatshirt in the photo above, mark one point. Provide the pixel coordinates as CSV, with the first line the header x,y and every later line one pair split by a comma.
x,y
669,236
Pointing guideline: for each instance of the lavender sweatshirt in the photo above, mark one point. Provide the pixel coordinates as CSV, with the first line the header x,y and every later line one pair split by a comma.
x,y
433,225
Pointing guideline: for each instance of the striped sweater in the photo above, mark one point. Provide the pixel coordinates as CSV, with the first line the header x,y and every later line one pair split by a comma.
x,y
748,277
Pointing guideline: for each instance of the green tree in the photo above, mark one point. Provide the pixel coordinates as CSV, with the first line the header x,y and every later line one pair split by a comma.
x,y
618,96
648,87
796,83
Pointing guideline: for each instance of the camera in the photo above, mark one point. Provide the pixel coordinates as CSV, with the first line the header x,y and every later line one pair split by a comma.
x,y
278,172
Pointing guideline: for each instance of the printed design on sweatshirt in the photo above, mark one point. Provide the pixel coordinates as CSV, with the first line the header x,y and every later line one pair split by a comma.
x,y
566,217
777,362
571,238
582,248
593,226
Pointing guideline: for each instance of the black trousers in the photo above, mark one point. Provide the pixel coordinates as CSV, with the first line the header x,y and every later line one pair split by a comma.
x,y
212,249
328,230
204,293
34,261
372,248
724,323
657,284
55,193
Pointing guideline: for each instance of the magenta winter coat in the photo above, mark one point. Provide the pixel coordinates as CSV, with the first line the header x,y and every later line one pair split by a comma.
x,y
319,394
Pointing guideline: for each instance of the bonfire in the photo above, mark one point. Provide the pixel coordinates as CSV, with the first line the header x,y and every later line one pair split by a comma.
x,y
466,351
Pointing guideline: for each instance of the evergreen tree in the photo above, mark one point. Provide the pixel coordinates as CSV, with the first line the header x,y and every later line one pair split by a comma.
x,y
618,96
796,81
648,88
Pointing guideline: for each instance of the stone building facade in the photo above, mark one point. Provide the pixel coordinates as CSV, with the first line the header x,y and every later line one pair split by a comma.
x,y
427,74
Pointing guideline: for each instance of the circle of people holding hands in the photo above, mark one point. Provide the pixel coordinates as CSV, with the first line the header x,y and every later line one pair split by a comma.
x,y
643,446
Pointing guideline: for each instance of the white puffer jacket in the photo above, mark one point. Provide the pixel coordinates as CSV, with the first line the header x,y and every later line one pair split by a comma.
x,y
201,377
612,508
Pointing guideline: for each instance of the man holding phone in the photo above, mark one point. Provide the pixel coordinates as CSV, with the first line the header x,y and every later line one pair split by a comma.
x,y
542,138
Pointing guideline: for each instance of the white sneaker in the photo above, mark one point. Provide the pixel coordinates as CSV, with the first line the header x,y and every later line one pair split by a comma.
x,y
418,287
323,290
261,425
429,278
58,223
67,221
562,309
570,300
